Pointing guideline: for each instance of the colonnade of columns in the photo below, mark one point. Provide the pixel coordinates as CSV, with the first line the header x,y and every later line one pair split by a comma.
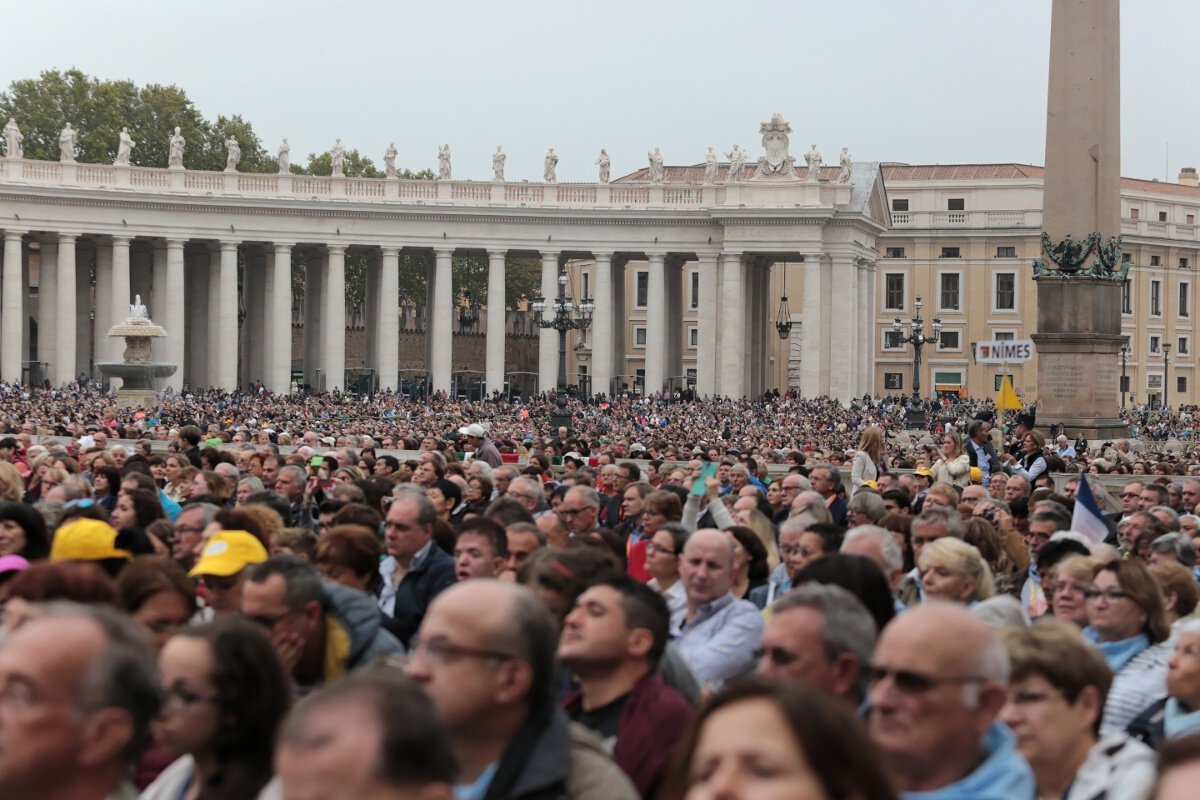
x,y
192,290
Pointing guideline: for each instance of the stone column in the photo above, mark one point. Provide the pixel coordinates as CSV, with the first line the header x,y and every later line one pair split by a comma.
x,y
227,318
494,360
388,333
47,318
254,333
733,326
213,377
333,356
706,352
673,315
814,376
604,321
843,328
120,299
313,311
656,324
14,308
866,327
173,318
548,340
279,317
754,326
66,321
370,312
103,303
441,334
158,294
84,301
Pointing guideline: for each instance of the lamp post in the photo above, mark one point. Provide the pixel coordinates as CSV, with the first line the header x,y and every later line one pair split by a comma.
x,y
1124,377
568,316
1166,348
917,339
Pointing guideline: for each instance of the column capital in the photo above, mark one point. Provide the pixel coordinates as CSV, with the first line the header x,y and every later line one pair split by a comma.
x,y
603,256
10,234
335,249
67,238
123,241
497,253
440,252
656,258
176,244
281,247
390,252
225,245
708,258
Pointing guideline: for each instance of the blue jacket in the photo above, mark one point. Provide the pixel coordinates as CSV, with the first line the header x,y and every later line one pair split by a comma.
x,y
1004,774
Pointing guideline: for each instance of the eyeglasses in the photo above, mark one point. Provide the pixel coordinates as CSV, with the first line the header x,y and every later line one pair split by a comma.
x,y
652,548
911,682
1111,595
1067,587
568,513
440,651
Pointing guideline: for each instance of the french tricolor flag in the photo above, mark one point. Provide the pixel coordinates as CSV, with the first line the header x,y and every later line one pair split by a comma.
x,y
1087,518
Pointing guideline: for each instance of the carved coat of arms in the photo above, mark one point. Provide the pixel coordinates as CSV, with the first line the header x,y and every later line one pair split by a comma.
x,y
778,162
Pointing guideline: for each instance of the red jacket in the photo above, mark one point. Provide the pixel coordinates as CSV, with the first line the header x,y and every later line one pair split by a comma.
x,y
651,723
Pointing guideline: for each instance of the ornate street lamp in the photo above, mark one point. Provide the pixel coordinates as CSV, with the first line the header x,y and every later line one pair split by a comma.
x,y
1124,377
783,319
917,339
568,316
468,314
1166,348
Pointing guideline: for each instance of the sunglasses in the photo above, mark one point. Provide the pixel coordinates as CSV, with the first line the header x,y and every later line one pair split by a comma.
x,y
911,682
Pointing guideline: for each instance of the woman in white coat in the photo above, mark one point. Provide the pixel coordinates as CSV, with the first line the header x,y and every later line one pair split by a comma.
x,y
953,465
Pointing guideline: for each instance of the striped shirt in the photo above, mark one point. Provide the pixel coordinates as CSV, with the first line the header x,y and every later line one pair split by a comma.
x,y
1140,683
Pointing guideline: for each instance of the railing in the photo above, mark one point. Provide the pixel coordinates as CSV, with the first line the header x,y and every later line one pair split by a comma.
x,y
95,174
148,177
471,191
680,195
524,193
204,181
630,196
1031,218
901,218
266,184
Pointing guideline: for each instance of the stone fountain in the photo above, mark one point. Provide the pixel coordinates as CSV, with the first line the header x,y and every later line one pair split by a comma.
x,y
138,369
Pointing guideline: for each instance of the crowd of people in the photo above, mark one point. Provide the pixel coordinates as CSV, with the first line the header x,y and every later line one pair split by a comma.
x,y
656,598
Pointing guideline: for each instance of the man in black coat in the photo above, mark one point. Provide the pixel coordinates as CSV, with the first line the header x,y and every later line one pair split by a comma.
x,y
416,569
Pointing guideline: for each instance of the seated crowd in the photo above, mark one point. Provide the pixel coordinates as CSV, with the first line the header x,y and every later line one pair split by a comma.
x,y
213,619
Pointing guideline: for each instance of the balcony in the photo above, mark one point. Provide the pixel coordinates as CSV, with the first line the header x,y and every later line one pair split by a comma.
x,y
1030,219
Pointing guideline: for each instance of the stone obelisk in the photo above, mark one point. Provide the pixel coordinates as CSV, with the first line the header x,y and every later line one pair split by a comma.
x,y
1080,274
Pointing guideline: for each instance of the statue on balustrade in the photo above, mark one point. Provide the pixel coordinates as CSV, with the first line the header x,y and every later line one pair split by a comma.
x,y
737,160
124,146
550,170
604,163
337,159
233,154
389,160
175,156
656,166
498,165
444,162
284,157
66,145
710,167
12,139
813,158
847,163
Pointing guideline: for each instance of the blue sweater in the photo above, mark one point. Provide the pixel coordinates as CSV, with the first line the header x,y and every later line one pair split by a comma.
x,y
1004,774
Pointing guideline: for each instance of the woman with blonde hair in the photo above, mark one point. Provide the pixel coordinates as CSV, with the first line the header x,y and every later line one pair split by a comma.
x,y
12,487
953,465
955,571
868,459
179,480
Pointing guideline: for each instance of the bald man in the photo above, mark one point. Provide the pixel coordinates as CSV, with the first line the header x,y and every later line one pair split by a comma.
x,y
716,633
485,654
941,678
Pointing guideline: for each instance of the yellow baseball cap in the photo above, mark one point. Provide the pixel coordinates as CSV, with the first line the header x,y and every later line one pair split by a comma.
x,y
976,475
228,553
86,539
926,471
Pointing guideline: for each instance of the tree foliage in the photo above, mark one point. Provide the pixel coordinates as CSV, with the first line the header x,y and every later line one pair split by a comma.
x,y
98,109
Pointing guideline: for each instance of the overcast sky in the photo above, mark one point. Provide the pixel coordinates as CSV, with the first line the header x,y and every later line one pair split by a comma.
x,y
917,81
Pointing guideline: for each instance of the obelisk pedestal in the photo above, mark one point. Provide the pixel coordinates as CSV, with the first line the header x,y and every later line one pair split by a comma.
x,y
1080,275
